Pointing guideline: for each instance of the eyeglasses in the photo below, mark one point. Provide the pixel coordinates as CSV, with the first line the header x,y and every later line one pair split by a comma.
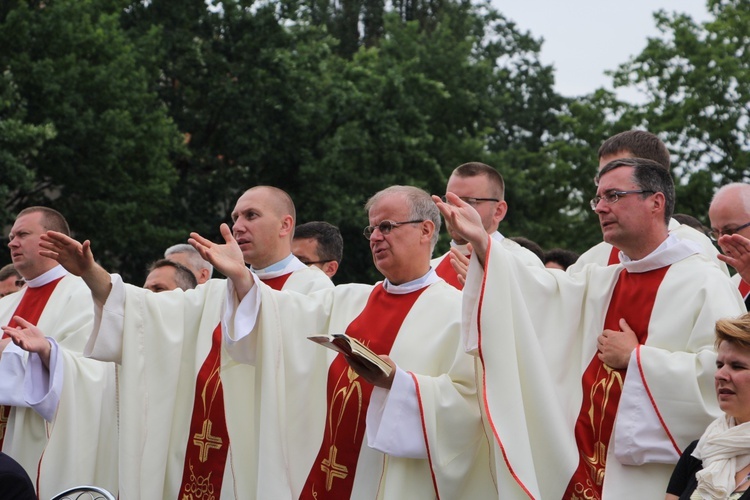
x,y
715,234
470,200
614,196
386,226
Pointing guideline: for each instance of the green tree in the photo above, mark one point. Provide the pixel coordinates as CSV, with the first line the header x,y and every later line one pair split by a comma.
x,y
696,82
20,142
108,169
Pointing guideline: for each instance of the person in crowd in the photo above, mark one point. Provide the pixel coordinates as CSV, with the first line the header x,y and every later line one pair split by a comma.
x,y
530,245
10,280
187,426
482,187
319,244
641,144
317,408
164,275
718,464
56,404
619,359
559,258
729,213
184,254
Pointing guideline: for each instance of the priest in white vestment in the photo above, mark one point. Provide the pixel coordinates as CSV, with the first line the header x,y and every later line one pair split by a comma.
x,y
642,144
58,415
483,188
594,382
316,410
186,409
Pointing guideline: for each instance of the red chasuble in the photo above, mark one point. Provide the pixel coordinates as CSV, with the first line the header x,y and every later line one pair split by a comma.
x,y
208,444
347,398
30,308
445,270
633,299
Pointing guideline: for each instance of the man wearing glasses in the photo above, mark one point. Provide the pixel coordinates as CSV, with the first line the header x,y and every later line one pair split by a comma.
x,y
730,214
316,410
319,244
482,187
618,359
641,144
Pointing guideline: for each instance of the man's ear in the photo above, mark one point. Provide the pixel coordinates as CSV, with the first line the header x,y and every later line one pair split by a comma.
x,y
500,211
330,268
287,226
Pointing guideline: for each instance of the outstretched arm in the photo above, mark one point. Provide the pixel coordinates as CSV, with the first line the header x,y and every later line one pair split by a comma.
x,y
736,250
226,258
466,221
78,259
30,338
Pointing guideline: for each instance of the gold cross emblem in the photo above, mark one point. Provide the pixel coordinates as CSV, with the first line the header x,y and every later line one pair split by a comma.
x,y
332,469
4,416
205,441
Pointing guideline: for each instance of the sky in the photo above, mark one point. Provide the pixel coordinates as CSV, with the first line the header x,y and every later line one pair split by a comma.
x,y
580,40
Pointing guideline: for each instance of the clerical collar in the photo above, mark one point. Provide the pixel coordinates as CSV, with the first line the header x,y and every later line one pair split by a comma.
x,y
284,266
670,251
462,248
412,286
55,273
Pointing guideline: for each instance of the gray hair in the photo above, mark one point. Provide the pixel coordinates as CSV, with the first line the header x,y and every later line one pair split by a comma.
x,y
420,203
194,258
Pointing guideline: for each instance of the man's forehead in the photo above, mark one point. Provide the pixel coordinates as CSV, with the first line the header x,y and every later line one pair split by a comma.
x,y
390,207
28,221
618,178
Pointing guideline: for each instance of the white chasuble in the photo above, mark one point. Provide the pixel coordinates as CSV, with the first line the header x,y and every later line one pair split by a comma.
x,y
292,375
162,342
69,410
535,332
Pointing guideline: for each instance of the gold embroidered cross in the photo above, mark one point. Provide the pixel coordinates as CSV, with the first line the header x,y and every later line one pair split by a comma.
x,y
205,441
332,469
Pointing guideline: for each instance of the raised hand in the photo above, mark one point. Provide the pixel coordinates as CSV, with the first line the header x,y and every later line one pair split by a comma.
x,y
736,250
460,264
74,256
226,258
29,338
465,220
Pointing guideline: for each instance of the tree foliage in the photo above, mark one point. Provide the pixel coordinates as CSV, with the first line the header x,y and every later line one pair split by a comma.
x,y
695,79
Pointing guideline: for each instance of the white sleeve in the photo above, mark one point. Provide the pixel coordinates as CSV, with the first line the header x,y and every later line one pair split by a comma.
x,y
105,342
639,435
43,387
12,374
394,424
238,322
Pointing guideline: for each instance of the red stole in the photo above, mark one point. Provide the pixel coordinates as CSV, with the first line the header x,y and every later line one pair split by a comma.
x,y
347,398
614,256
208,443
633,299
30,308
744,288
445,270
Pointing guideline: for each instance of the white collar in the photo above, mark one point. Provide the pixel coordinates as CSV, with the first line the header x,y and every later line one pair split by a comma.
x,y
412,286
286,265
670,251
48,277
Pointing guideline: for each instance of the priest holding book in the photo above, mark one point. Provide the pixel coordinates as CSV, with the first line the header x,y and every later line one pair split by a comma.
x,y
316,409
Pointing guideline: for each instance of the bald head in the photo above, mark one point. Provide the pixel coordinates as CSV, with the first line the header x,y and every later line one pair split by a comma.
x,y
730,210
264,218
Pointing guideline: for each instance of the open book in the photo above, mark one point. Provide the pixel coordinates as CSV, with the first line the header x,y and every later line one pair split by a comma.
x,y
350,346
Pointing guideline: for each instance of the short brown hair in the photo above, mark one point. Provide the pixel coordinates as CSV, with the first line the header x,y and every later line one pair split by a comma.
x,y
639,144
52,220
475,168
